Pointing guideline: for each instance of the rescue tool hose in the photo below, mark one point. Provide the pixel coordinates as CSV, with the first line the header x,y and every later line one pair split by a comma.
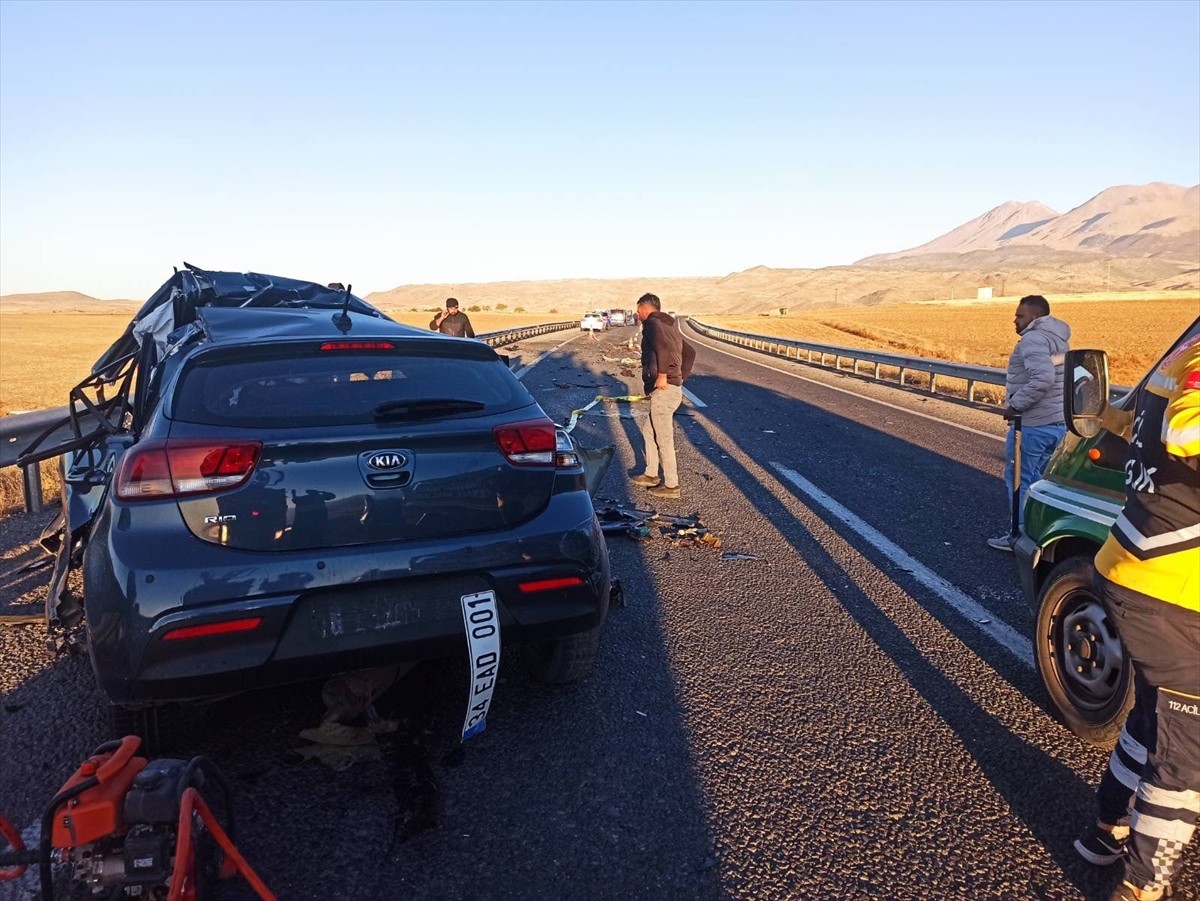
x,y
10,834
185,850
206,767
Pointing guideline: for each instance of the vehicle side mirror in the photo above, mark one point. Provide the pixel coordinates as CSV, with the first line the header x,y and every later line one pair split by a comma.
x,y
1085,391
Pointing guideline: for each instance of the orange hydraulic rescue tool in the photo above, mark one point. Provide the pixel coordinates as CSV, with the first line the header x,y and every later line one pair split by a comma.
x,y
122,821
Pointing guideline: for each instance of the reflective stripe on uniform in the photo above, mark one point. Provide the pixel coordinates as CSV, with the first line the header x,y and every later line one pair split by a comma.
x,y
1157,827
1154,542
1176,800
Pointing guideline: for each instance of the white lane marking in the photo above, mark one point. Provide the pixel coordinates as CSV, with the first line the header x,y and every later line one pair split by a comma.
x,y
520,373
696,402
981,618
882,403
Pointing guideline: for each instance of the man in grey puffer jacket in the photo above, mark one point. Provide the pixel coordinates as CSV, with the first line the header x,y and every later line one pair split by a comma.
x,y
1033,390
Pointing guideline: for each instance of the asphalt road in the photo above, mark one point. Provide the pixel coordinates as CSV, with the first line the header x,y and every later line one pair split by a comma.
x,y
850,714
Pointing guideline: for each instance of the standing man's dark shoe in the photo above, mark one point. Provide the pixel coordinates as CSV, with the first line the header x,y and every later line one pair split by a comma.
x,y
664,491
645,481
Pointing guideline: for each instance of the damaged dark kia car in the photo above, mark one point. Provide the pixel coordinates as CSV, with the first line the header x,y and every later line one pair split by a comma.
x,y
268,481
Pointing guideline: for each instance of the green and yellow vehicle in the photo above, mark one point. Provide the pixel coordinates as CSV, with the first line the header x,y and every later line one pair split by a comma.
x,y
1068,515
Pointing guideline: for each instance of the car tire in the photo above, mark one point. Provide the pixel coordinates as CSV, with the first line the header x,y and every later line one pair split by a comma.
x,y
1079,655
157,727
560,661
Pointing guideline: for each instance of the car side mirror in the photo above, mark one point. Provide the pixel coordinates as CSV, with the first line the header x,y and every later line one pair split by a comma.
x,y
1085,394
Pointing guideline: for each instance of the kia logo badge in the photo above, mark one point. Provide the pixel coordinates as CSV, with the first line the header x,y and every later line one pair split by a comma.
x,y
386,460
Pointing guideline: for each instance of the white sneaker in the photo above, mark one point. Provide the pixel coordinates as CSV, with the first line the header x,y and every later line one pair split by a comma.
x,y
1002,543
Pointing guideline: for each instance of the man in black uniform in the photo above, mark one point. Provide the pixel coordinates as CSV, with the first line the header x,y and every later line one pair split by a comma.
x,y
1148,573
451,322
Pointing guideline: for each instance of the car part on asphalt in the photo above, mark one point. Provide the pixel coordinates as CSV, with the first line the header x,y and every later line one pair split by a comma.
x,y
127,827
680,531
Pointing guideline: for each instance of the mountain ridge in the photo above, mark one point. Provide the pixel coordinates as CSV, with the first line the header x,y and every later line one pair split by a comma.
x,y
1158,219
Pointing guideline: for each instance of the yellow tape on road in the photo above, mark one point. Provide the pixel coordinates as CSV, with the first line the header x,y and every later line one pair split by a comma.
x,y
600,398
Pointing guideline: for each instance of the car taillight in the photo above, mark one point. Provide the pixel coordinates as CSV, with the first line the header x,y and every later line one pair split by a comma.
x,y
530,443
172,468
550,584
357,345
226,627
564,450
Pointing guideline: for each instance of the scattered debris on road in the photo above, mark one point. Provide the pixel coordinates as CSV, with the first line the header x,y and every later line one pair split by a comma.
x,y
616,595
643,525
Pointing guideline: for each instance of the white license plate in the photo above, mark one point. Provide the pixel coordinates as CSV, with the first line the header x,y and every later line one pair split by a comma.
x,y
482,622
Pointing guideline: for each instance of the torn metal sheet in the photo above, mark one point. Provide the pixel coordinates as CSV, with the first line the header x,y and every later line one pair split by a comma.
x,y
595,464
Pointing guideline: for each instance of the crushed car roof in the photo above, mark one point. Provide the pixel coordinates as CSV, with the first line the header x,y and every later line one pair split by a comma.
x,y
175,304
225,325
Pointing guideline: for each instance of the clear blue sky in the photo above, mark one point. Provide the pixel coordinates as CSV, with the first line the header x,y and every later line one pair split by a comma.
x,y
393,143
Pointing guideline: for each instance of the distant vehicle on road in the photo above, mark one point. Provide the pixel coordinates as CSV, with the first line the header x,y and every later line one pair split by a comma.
x,y
297,486
616,317
1068,515
594,322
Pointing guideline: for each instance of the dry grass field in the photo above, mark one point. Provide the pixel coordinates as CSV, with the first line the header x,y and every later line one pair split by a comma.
x,y
42,354
1134,329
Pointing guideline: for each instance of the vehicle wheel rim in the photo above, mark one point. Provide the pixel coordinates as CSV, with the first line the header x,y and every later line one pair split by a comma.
x,y
1088,651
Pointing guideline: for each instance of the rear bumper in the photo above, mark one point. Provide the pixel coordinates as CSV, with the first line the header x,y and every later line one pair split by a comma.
x,y
322,633
1028,554
386,605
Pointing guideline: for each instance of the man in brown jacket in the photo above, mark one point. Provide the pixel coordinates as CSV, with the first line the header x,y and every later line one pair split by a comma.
x,y
666,363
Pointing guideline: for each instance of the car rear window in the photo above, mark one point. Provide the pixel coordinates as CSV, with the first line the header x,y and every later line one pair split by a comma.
x,y
334,388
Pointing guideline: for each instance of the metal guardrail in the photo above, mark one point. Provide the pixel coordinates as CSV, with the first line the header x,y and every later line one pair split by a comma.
x,y
18,430
508,336
819,354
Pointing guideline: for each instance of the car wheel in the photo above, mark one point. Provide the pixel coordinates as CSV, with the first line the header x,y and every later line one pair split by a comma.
x,y
1079,655
157,727
562,660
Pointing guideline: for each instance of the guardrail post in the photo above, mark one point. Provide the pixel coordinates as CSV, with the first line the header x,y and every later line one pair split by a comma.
x,y
31,481
970,389
810,355
933,383
855,361
901,376
877,372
